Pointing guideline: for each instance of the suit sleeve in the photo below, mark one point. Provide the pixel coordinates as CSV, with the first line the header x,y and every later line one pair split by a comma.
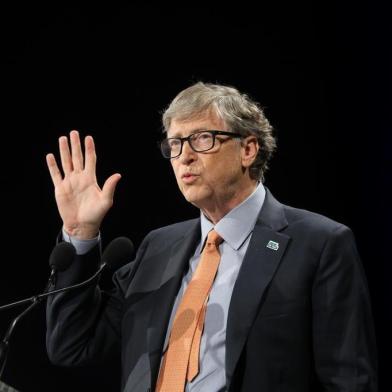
x,y
84,325
343,333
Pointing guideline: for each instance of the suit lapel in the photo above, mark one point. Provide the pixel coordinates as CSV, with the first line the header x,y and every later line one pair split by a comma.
x,y
262,258
164,296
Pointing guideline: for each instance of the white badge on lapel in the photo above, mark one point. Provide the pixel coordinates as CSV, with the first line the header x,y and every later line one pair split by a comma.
x,y
273,245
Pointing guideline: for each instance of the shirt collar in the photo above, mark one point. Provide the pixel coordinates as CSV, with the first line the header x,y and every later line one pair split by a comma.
x,y
237,224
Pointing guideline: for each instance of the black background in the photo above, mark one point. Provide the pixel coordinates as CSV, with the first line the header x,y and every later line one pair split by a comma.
x,y
321,71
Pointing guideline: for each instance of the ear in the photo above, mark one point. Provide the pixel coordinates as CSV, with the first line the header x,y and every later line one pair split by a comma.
x,y
249,150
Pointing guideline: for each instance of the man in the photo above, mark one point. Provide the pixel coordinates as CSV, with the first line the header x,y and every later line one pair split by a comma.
x,y
253,296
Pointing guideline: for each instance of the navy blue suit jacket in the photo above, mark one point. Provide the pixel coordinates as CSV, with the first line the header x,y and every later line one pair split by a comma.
x,y
299,317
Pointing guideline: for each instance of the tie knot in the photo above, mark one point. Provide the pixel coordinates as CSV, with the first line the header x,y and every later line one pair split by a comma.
x,y
214,238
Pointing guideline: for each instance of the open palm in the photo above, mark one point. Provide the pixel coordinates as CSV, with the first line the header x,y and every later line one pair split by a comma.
x,y
82,204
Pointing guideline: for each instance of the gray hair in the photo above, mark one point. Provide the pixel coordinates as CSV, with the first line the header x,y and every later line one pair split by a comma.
x,y
240,113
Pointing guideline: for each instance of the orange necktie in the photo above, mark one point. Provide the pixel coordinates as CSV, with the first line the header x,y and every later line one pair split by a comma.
x,y
181,359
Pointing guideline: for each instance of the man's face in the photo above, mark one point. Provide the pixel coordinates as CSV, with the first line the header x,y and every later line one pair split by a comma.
x,y
207,179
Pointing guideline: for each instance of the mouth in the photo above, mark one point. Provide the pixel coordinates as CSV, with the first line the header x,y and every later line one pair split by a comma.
x,y
188,178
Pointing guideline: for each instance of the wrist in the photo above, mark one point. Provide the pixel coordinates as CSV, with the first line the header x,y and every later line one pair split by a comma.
x,y
85,232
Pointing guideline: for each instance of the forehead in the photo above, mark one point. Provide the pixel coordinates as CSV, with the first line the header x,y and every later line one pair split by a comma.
x,y
205,121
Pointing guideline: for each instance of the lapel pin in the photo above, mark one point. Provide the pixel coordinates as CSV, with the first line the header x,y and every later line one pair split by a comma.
x,y
273,245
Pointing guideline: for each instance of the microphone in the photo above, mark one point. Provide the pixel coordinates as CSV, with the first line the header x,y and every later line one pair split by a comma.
x,y
119,252
116,254
62,256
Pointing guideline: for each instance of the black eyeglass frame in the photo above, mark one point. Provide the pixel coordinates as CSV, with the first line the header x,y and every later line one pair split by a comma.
x,y
213,132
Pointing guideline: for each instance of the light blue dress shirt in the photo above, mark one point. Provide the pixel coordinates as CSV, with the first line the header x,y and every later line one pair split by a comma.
x,y
236,229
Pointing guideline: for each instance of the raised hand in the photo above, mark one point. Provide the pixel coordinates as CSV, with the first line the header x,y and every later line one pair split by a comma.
x,y
82,204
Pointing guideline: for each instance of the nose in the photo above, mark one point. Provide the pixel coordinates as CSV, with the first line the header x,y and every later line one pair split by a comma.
x,y
187,155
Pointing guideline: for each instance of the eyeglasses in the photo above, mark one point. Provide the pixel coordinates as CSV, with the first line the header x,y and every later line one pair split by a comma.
x,y
198,141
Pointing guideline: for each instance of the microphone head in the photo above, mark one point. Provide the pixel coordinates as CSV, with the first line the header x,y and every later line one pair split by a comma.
x,y
62,256
118,253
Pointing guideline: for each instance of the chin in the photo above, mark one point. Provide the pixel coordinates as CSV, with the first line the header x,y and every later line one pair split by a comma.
x,y
195,196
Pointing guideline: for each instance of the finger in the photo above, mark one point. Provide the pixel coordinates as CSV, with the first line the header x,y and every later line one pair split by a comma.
x,y
110,186
77,155
65,155
91,156
54,171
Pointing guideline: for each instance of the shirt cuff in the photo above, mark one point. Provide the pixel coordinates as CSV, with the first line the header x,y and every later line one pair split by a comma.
x,y
82,246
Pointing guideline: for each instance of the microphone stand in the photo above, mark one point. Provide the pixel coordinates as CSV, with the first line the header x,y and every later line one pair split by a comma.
x,y
35,300
4,344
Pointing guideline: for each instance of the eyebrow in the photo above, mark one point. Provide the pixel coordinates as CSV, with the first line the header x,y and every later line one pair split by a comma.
x,y
176,135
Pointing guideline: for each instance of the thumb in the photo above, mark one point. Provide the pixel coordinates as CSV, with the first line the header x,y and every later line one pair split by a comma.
x,y
110,186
